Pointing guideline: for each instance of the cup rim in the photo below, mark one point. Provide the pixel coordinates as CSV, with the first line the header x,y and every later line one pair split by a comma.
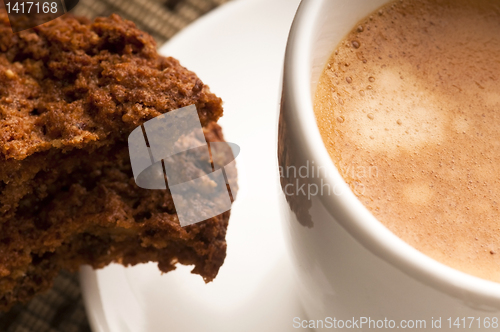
x,y
347,208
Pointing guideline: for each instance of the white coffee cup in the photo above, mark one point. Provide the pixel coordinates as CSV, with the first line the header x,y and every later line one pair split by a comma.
x,y
348,264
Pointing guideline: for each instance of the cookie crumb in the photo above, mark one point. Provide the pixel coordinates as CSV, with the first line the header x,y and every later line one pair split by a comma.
x,y
10,74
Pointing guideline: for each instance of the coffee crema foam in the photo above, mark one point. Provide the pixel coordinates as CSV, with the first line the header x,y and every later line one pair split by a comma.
x,y
414,90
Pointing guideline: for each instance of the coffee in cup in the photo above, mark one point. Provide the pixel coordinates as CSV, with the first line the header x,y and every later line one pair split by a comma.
x,y
414,92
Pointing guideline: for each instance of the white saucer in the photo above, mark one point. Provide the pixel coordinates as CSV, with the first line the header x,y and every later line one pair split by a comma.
x,y
238,51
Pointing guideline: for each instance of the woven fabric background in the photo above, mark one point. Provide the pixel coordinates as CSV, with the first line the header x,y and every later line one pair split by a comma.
x,y
61,309
160,18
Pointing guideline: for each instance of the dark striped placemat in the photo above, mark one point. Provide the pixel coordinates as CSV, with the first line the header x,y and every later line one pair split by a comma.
x,y
160,18
61,309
